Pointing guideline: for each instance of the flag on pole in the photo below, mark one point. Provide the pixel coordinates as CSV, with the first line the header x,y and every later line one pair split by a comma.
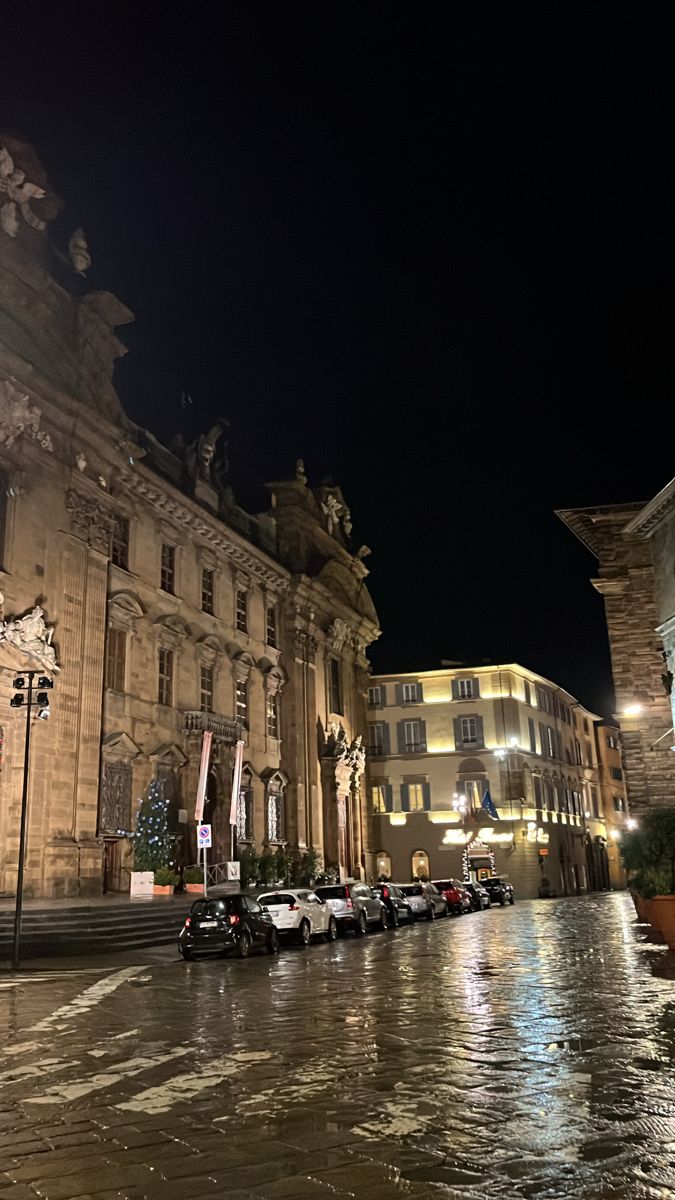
x,y
207,738
488,805
236,781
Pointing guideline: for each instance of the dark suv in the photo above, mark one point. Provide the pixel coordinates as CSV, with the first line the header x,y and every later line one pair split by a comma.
x,y
235,922
354,906
397,905
499,890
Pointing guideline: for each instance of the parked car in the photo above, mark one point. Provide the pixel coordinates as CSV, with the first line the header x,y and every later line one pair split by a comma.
x,y
499,890
235,922
300,915
479,896
354,906
425,900
397,905
456,897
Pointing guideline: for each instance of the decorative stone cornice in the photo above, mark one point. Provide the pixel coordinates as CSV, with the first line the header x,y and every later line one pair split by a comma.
x,y
304,646
90,520
20,418
215,533
611,587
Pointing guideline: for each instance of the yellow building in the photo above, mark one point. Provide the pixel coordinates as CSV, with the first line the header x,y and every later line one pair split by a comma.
x,y
446,745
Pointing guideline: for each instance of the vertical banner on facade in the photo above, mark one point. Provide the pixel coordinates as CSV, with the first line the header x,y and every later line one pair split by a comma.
x,y
203,774
236,782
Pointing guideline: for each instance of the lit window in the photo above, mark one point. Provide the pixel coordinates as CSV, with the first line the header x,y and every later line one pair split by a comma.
x,y
275,815
272,715
465,689
411,736
116,656
245,810
415,797
409,693
207,590
168,575
241,700
242,611
376,737
549,742
619,804
165,689
206,688
469,728
271,633
528,695
383,865
420,865
119,548
379,797
374,695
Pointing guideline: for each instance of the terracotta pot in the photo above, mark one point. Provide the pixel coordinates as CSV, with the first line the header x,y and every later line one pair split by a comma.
x,y
639,903
662,910
196,888
647,910
162,891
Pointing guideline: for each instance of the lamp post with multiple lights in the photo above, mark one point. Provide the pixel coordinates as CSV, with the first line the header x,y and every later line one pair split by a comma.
x,y
26,696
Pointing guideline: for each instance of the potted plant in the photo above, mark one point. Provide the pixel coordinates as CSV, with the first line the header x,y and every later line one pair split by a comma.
x,y
152,841
165,881
648,854
193,878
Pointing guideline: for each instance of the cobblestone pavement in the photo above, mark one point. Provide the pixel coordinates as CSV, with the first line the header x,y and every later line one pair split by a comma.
x,y
522,1052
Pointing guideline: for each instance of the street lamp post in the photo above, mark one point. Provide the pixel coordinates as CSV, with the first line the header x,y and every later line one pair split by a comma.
x,y
24,697
460,805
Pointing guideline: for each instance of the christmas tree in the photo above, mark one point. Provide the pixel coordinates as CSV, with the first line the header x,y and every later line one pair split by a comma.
x,y
153,843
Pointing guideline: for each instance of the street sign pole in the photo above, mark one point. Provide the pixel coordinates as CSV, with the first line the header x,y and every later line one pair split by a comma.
x,y
22,835
206,885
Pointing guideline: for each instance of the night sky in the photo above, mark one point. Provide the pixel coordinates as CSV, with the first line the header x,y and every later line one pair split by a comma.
x,y
427,247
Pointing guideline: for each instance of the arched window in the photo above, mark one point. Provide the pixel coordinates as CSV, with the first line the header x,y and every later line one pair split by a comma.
x,y
383,865
245,808
420,865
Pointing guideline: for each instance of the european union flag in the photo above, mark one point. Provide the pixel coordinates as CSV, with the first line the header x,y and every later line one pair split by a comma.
x,y
488,805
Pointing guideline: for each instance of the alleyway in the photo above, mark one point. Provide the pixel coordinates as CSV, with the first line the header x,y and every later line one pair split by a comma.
x,y
522,1052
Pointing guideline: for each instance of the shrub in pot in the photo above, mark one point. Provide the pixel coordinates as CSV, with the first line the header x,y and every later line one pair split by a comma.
x,y
165,881
648,855
193,878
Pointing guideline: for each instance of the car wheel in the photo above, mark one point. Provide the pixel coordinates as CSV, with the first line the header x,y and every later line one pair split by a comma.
x,y
273,942
244,944
187,954
304,932
446,910
384,923
394,918
512,899
502,902
431,914
361,924
332,931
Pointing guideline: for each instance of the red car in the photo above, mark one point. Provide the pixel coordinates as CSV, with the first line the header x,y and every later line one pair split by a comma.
x,y
457,900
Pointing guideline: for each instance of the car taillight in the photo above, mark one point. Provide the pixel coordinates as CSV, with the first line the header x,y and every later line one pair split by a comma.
x,y
385,893
188,922
350,902
293,907
234,919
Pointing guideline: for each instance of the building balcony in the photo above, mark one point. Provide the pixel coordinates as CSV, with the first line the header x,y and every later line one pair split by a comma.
x,y
226,729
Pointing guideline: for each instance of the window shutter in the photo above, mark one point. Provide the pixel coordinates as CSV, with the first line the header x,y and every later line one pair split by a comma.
x,y
479,730
457,722
388,798
400,730
533,736
383,695
476,687
423,735
398,689
426,796
455,690
420,691
542,740
405,801
386,747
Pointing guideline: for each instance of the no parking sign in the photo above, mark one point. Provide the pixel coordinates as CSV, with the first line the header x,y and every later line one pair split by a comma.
x,y
204,837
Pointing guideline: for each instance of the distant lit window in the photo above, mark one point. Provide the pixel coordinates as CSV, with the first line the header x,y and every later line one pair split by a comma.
x,y
376,737
241,701
469,729
415,797
374,695
528,695
465,689
272,715
275,814
410,693
241,605
379,798
412,737
619,804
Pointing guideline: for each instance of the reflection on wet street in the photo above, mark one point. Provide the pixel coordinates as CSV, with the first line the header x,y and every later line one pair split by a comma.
x,y
522,1052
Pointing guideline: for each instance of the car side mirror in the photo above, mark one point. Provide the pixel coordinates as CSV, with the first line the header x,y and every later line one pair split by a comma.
x,y
265,909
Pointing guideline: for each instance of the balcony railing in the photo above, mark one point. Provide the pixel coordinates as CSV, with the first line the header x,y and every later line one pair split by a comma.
x,y
225,728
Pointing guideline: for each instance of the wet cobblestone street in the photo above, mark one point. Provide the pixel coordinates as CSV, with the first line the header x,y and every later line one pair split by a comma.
x,y
522,1052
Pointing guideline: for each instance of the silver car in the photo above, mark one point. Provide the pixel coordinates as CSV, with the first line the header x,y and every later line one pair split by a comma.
x,y
354,906
425,900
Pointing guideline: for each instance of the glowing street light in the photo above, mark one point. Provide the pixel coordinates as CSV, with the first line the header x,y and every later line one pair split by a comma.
x,y
631,823
632,710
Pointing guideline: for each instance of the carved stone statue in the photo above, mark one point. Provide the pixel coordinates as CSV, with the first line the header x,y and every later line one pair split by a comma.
x,y
347,523
32,636
19,417
20,192
332,510
78,252
206,458
300,471
338,633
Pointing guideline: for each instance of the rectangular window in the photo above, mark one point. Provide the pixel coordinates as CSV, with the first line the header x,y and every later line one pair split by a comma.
x,y
244,815
411,736
619,805
585,722
119,547
241,701
469,727
272,715
616,772
409,693
168,575
207,590
116,660
374,695
589,755
379,798
241,605
532,735
165,688
271,626
206,688
335,685
577,751
550,742
594,802
474,795
415,797
376,737
612,741
537,791
275,817
528,694
465,689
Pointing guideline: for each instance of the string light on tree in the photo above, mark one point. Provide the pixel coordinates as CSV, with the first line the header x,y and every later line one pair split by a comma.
x,y
153,841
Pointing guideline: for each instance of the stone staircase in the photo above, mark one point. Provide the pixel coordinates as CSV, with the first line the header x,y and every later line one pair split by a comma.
x,y
94,929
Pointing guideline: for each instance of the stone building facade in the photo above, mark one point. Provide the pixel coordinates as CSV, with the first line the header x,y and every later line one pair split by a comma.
x,y
635,548
440,740
172,610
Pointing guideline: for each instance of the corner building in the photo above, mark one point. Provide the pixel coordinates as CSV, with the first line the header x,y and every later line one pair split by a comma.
x,y
439,740
171,610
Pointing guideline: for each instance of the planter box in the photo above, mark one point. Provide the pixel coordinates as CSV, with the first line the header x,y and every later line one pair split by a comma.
x,y
197,889
662,916
142,883
640,906
160,890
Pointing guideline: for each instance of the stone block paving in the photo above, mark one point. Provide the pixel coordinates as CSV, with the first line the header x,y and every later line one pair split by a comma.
x,y
523,1052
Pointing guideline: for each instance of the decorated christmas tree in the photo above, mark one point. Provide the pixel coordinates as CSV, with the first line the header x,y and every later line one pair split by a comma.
x,y
153,841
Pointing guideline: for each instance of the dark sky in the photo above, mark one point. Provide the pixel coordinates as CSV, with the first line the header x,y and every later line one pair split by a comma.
x,y
428,247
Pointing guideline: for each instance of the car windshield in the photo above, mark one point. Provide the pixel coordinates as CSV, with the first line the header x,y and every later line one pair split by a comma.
x,y
412,889
277,898
333,893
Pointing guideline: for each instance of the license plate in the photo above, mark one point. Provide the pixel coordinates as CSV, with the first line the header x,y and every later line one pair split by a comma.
x,y
208,924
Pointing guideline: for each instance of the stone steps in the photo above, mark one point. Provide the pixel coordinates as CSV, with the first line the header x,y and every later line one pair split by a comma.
x,y
85,929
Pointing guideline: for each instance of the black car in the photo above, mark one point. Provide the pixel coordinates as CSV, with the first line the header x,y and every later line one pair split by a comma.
x,y
499,890
235,922
397,906
479,896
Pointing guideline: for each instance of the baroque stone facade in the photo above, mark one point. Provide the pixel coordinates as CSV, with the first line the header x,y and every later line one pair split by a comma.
x,y
635,548
174,611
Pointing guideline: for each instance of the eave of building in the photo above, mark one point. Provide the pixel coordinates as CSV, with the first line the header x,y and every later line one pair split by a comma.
x,y
651,516
583,522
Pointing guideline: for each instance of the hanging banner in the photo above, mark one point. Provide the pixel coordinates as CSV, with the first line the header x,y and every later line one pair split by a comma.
x,y
203,774
236,781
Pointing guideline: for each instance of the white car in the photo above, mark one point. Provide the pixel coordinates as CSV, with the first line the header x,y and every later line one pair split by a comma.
x,y
299,914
